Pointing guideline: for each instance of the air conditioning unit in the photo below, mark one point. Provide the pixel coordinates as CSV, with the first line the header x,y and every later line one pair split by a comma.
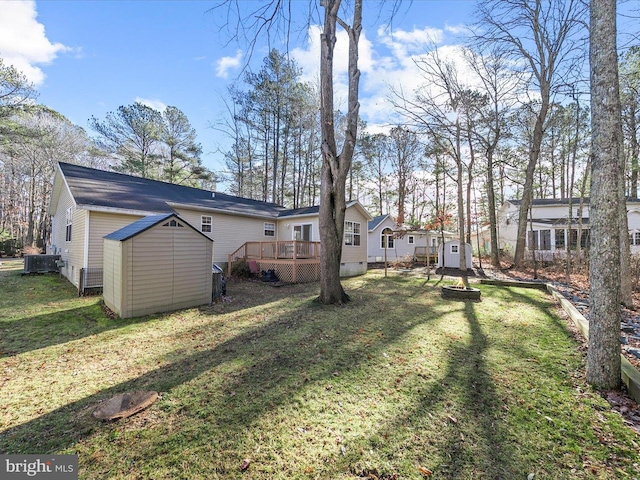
x,y
41,264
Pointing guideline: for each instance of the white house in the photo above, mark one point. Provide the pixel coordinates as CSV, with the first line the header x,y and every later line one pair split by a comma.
x,y
88,204
549,228
389,240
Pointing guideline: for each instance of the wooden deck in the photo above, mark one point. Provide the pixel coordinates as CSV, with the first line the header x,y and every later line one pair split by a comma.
x,y
294,261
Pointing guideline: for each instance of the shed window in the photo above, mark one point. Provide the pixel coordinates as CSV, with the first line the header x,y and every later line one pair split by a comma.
x,y
352,233
205,224
68,223
411,240
454,248
269,229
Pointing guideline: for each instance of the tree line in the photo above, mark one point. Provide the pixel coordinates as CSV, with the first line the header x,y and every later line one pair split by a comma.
x,y
135,139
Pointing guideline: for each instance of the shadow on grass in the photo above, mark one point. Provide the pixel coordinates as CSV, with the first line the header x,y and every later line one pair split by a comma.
x,y
59,325
472,439
277,359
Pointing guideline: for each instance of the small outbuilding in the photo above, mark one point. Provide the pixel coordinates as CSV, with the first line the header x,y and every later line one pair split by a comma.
x,y
159,263
450,257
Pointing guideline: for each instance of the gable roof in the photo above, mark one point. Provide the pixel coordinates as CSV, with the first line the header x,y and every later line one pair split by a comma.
x,y
145,224
99,188
376,221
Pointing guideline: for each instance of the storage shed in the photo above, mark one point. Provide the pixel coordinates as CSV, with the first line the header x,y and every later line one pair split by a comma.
x,y
156,264
451,256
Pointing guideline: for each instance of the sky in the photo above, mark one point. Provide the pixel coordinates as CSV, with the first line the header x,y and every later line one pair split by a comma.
x,y
88,57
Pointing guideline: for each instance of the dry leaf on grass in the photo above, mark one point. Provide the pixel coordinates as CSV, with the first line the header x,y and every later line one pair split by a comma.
x,y
425,471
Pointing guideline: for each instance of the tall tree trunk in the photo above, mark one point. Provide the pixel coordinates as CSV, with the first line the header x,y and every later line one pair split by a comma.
x,y
603,357
527,191
335,168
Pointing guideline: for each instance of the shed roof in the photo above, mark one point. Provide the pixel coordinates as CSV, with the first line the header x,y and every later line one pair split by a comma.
x,y
145,224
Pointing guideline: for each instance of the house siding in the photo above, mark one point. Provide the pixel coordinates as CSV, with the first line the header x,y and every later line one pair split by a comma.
x,y
101,224
354,258
231,232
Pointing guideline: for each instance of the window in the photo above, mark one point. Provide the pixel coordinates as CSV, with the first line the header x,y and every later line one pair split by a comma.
x,y
352,233
544,240
386,239
68,222
302,232
560,243
411,240
269,229
540,240
454,248
636,238
205,224
584,239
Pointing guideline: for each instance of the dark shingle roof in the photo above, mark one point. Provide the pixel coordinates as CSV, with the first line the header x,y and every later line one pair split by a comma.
x,y
376,221
299,211
91,187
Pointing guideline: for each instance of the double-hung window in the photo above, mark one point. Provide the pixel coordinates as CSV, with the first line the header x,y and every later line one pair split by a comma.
x,y
352,233
269,229
206,223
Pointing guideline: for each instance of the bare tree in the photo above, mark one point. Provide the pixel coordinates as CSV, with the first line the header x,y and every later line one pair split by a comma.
x,y
336,165
543,35
275,17
603,357
500,85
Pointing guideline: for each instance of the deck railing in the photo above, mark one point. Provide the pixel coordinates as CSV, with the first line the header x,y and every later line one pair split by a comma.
x,y
281,250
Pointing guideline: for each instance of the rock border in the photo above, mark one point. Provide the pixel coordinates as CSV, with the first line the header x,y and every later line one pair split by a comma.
x,y
630,375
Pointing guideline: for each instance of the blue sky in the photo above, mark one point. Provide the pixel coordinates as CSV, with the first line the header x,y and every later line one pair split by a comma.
x,y
89,57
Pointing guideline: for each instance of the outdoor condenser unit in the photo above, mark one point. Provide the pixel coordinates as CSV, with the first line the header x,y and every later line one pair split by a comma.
x,y
41,264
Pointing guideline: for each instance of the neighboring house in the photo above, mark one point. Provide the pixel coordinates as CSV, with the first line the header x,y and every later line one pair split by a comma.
x,y
88,204
549,229
385,235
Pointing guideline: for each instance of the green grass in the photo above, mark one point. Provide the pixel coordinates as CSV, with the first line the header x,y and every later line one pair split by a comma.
x,y
395,381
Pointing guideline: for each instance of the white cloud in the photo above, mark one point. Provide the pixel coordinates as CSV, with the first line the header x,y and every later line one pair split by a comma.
x,y
23,41
228,63
389,62
152,103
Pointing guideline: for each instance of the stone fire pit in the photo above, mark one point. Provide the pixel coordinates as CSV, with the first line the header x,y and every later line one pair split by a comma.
x,y
455,292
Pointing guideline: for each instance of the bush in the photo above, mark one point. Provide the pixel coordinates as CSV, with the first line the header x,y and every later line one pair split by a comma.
x,y
240,268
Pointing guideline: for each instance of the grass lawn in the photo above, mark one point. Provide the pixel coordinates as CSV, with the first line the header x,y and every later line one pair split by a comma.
x,y
398,384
